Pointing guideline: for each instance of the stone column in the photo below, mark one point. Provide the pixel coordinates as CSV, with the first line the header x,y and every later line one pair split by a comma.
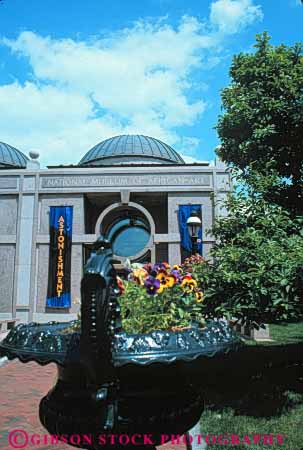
x,y
24,257
174,252
26,242
222,185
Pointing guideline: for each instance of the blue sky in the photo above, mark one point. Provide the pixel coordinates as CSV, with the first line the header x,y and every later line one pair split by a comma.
x,y
73,73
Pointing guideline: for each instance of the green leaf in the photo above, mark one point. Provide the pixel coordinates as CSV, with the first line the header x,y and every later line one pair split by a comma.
x,y
181,313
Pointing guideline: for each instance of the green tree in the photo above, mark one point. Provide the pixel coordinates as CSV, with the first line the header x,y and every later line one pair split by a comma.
x,y
261,128
258,262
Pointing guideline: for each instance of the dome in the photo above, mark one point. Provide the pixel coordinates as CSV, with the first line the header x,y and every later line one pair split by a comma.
x,y
11,158
127,149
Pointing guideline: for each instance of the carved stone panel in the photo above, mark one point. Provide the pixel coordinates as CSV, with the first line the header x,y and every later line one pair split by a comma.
x,y
7,256
8,183
91,181
9,213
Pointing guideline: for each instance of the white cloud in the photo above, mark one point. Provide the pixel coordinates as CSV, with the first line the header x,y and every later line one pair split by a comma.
x,y
131,73
192,160
231,16
81,92
54,121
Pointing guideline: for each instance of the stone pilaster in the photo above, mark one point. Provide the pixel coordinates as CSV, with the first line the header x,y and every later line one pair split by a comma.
x,y
24,256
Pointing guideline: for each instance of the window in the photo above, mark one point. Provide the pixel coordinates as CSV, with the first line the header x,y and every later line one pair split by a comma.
x,y
129,232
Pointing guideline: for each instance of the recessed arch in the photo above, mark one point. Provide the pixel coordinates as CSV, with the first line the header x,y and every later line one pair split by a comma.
x,y
112,221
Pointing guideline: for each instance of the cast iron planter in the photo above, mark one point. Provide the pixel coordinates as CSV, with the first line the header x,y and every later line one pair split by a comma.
x,y
112,383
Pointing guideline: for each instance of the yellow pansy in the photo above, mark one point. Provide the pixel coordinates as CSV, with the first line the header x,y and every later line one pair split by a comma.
x,y
199,296
166,281
188,285
140,276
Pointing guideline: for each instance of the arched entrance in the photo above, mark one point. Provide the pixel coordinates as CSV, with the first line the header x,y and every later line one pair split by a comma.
x,y
131,230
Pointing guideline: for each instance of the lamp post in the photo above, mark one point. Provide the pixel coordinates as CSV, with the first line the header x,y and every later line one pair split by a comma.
x,y
194,225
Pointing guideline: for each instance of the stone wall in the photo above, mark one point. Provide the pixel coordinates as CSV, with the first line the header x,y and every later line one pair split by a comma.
x,y
9,213
7,258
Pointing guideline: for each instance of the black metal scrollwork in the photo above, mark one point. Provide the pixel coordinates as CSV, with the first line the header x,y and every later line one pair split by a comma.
x,y
99,322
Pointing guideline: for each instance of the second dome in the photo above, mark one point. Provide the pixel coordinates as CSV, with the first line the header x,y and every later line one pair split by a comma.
x,y
131,149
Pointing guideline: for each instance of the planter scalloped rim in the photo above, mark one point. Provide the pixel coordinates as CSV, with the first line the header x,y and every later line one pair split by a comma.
x,y
49,343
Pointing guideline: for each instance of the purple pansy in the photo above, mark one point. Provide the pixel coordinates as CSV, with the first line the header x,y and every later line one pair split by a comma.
x,y
154,270
176,273
152,285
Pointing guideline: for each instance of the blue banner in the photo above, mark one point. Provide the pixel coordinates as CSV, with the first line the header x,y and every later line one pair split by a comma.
x,y
183,214
60,249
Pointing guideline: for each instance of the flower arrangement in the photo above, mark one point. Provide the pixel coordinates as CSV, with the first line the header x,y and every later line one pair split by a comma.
x,y
160,297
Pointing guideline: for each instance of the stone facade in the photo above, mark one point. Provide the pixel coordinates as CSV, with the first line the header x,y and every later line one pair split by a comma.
x,y
7,257
26,195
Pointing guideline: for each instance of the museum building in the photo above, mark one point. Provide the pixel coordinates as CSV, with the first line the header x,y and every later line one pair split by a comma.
x,y
129,188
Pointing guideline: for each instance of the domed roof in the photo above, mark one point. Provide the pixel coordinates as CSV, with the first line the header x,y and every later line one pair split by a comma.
x,y
127,149
10,157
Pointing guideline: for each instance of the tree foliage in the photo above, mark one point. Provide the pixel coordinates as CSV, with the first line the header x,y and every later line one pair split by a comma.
x,y
263,119
258,262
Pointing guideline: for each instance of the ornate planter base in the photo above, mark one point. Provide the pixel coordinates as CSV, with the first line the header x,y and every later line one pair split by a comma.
x,y
70,410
